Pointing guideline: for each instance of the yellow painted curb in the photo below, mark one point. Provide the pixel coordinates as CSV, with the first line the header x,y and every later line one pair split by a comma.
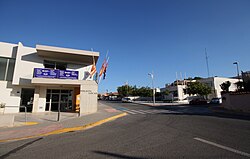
x,y
30,123
84,127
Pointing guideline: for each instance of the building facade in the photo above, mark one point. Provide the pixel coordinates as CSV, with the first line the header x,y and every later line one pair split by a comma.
x,y
46,78
215,82
178,89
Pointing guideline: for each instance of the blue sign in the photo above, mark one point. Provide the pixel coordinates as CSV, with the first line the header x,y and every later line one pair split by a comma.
x,y
51,73
45,73
66,74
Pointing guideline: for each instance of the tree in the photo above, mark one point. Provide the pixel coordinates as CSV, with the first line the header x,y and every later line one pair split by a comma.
x,y
127,90
198,88
197,78
225,86
145,92
166,92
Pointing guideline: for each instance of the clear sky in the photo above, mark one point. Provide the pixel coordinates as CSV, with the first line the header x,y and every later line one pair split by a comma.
x,y
163,36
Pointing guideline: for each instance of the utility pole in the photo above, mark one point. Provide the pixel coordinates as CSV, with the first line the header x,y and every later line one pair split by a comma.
x,y
152,77
127,87
207,62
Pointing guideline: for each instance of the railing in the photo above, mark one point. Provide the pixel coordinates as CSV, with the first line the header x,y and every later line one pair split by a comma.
x,y
55,73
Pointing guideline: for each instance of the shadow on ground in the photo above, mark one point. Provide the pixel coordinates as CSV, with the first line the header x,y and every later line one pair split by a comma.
x,y
117,155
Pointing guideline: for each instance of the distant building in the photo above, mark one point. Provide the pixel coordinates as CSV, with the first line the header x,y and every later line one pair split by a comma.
x,y
177,90
215,82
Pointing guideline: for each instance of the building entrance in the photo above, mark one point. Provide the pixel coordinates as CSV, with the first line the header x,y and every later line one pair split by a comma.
x,y
56,98
27,96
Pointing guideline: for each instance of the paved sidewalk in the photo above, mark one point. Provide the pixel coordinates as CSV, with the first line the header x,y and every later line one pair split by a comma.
x,y
47,123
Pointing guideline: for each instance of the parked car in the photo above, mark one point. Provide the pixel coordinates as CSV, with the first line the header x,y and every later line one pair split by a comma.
x,y
215,101
198,101
126,99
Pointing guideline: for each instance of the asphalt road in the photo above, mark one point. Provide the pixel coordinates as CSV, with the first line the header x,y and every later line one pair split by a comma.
x,y
146,132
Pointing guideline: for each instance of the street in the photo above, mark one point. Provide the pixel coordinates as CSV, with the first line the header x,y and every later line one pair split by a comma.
x,y
146,132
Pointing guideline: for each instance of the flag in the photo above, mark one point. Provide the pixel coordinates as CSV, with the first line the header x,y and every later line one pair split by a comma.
x,y
102,68
93,68
104,72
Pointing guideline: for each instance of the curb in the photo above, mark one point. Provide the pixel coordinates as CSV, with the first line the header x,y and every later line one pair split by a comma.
x,y
64,130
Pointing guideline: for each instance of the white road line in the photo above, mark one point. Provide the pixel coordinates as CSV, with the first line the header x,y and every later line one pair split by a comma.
x,y
223,147
137,111
147,111
128,111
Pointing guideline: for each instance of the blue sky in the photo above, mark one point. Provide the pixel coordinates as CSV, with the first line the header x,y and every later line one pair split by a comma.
x,y
163,36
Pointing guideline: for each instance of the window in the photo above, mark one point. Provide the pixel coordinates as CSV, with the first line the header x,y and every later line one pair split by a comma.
x,y
49,64
11,68
55,65
61,66
7,66
3,65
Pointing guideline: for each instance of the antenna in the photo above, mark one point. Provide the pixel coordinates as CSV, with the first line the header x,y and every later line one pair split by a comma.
x,y
207,62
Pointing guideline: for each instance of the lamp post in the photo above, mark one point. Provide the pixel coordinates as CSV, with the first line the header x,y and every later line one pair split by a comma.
x,y
152,77
237,65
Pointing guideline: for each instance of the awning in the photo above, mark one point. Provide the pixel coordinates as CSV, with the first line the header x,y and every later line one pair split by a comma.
x,y
67,55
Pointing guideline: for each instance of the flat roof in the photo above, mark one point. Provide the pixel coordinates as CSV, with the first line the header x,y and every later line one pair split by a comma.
x,y
67,54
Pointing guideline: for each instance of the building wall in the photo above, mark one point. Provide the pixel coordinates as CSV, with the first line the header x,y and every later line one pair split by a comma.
x,y
88,97
8,50
10,95
215,82
218,81
238,102
180,92
39,102
26,60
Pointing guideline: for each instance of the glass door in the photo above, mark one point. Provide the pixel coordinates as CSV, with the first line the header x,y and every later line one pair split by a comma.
x,y
62,98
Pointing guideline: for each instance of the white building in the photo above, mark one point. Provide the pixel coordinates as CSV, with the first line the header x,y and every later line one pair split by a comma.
x,y
46,78
177,90
215,82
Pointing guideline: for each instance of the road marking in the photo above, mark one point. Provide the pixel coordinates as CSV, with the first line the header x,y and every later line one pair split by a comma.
x,y
129,111
137,111
223,147
147,111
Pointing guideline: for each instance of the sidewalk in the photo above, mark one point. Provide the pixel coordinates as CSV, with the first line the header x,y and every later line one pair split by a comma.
x,y
48,125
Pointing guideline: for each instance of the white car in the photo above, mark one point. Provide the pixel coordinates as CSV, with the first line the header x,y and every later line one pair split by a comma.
x,y
126,99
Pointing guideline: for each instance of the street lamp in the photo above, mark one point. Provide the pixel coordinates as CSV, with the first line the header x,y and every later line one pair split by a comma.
x,y
152,77
236,63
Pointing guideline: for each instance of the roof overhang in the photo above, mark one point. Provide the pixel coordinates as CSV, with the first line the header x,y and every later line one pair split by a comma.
x,y
67,55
